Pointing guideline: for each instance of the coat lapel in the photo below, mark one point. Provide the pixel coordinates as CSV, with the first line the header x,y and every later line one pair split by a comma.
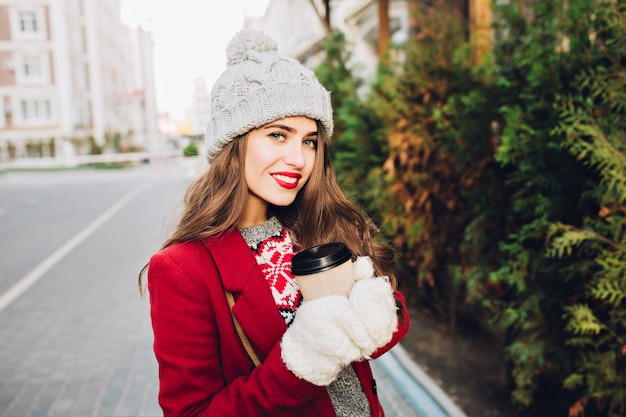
x,y
254,307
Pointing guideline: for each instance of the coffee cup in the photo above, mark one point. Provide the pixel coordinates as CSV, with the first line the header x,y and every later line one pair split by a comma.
x,y
323,270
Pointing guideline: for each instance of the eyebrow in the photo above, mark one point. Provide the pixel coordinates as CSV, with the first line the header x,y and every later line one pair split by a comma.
x,y
287,128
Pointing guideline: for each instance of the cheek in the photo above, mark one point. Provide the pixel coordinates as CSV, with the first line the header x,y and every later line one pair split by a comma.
x,y
256,160
251,170
310,162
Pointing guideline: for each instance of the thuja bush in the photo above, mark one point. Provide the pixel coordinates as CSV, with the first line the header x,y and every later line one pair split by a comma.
x,y
440,190
503,189
593,124
561,75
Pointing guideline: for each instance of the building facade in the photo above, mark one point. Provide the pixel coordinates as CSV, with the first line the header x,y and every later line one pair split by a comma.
x,y
73,80
298,29
200,107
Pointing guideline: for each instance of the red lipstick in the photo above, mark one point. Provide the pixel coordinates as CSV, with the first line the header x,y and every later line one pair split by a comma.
x,y
288,180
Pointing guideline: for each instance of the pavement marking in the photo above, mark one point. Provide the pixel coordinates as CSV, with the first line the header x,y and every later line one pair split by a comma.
x,y
44,266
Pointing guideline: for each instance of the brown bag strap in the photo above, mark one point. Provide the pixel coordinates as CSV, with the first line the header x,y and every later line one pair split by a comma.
x,y
242,335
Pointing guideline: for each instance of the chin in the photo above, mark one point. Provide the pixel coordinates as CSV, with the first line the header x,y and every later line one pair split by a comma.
x,y
282,202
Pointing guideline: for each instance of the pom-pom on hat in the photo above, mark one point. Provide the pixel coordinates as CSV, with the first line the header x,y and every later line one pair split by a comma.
x,y
261,85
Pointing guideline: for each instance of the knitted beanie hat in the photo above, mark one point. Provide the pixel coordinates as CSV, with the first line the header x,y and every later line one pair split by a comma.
x,y
261,85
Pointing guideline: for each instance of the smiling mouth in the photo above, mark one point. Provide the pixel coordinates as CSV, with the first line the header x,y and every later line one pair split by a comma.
x,y
286,181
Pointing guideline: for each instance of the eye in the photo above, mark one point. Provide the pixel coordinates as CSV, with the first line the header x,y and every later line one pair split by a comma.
x,y
278,136
311,143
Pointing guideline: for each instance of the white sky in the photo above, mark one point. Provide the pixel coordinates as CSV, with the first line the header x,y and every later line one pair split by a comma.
x,y
190,38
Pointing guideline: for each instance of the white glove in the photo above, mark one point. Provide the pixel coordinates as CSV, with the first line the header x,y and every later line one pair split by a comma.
x,y
325,336
362,268
331,332
373,301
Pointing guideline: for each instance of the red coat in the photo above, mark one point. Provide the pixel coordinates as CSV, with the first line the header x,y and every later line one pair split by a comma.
x,y
203,367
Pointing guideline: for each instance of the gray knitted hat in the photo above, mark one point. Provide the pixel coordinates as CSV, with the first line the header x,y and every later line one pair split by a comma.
x,y
259,86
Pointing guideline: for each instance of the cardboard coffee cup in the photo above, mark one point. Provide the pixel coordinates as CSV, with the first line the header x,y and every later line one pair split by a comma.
x,y
323,270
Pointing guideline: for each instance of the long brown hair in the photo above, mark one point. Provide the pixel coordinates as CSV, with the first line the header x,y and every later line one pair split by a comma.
x,y
321,213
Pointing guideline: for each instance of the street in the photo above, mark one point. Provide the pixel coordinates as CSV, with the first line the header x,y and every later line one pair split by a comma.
x,y
78,341
76,336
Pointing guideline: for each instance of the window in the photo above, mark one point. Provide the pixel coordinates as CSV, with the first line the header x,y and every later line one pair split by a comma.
x,y
28,23
33,68
34,112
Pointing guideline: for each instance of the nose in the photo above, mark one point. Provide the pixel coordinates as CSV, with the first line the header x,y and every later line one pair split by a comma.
x,y
294,155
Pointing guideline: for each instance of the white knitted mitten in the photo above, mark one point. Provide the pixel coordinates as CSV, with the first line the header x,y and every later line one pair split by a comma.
x,y
362,268
373,301
321,339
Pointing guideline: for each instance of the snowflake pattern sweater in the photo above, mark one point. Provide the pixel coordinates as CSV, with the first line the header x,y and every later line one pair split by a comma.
x,y
273,250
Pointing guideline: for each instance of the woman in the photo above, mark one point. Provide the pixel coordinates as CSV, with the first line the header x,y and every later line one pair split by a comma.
x,y
269,192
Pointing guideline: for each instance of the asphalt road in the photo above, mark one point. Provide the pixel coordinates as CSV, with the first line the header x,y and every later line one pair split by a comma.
x,y
75,336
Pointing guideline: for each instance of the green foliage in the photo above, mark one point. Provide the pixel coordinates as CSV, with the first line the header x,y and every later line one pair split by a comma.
x,y
582,321
529,351
593,121
191,149
94,147
563,146
504,185
357,147
52,147
112,141
595,140
442,188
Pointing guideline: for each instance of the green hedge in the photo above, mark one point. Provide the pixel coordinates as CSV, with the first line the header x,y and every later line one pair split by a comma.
x,y
503,186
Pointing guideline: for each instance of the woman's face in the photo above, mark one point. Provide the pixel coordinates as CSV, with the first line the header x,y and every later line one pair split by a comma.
x,y
279,161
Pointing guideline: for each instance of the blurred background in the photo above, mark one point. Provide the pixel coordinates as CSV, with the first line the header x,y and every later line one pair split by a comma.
x,y
485,137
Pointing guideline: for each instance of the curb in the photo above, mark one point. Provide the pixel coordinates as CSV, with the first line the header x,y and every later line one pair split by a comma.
x,y
419,389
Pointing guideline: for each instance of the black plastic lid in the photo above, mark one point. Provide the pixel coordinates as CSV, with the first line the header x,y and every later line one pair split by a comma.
x,y
319,258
